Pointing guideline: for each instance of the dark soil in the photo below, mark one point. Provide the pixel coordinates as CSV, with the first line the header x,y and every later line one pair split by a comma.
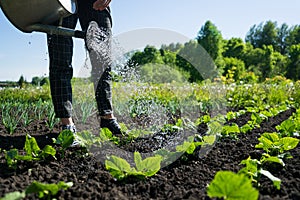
x,y
183,179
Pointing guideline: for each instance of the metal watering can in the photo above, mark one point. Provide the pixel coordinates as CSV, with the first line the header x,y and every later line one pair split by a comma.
x,y
36,15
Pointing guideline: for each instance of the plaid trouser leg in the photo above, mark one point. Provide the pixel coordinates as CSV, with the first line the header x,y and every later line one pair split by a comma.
x,y
101,63
60,50
60,53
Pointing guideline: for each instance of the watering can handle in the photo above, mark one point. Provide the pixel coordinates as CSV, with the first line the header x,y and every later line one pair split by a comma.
x,y
54,30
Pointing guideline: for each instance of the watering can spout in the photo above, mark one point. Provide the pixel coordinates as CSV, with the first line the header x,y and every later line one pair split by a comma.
x,y
37,15
54,30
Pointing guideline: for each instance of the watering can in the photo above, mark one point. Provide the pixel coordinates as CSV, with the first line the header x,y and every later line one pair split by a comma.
x,y
37,15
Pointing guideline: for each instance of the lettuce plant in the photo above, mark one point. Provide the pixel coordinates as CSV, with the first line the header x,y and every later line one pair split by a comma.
x,y
119,168
231,186
46,190
254,169
14,196
32,152
274,145
65,139
275,150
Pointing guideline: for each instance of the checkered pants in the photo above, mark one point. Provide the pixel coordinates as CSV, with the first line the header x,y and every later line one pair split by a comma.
x,y
60,50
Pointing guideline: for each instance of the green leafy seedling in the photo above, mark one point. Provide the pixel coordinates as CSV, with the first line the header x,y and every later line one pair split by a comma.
x,y
47,190
287,127
231,186
188,146
10,157
119,168
14,196
272,144
32,152
230,130
149,166
253,169
65,139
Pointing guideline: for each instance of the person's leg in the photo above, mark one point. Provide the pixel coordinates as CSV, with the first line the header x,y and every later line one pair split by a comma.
x,y
98,43
60,50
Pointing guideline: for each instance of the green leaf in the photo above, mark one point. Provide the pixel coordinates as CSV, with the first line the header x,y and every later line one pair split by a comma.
x,y
31,146
86,138
289,143
44,189
25,158
287,126
191,148
272,137
10,157
138,161
251,166
230,115
107,132
276,181
167,156
267,141
118,167
206,118
47,150
228,130
63,185
209,139
272,159
14,196
65,138
184,147
214,128
257,118
151,165
245,128
231,186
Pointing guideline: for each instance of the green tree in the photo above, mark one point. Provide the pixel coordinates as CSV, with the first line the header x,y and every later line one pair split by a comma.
x,y
40,81
149,55
172,47
293,68
265,62
183,57
210,38
283,33
293,36
168,57
194,59
21,82
36,80
280,63
263,34
234,48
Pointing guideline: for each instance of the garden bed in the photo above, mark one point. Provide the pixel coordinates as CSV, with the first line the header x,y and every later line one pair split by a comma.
x,y
183,179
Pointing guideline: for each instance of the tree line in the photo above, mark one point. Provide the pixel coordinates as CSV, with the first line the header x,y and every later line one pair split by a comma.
x,y
268,50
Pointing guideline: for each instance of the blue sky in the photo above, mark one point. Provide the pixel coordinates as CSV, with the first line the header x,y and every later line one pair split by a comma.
x,y
26,53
